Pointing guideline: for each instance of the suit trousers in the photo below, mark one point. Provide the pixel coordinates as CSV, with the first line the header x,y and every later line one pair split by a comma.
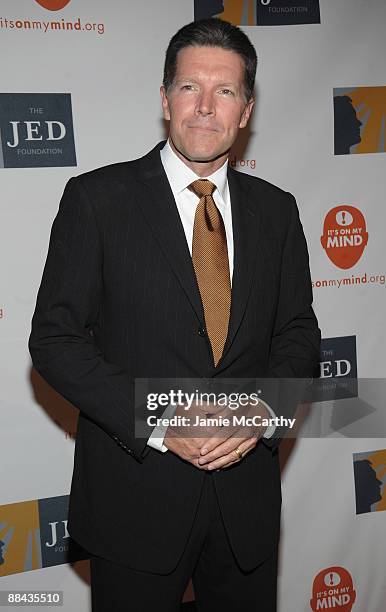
x,y
219,583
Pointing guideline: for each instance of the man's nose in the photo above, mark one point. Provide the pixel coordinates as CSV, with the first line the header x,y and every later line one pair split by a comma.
x,y
205,104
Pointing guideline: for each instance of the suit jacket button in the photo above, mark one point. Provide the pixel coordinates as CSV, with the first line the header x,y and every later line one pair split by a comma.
x,y
202,332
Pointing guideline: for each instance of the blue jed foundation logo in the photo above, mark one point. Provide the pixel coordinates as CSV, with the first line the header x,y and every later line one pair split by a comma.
x,y
338,370
33,535
36,130
259,12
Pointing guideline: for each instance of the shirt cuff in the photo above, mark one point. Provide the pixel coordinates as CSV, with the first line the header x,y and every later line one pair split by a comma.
x,y
271,428
158,434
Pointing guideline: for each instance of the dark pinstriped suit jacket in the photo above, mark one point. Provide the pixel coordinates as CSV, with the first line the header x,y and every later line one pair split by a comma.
x,y
119,300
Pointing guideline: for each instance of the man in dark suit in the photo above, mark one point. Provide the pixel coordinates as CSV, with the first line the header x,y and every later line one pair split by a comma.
x,y
174,265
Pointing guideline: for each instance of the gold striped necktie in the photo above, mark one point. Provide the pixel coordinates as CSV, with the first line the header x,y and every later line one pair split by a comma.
x,y
211,265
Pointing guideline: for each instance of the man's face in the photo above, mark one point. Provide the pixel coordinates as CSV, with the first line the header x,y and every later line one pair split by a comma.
x,y
205,104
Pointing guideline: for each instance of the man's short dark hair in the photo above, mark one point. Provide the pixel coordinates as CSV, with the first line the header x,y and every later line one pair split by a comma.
x,y
212,32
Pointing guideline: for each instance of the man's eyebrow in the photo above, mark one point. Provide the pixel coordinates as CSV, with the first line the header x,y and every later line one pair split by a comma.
x,y
185,78
227,84
194,80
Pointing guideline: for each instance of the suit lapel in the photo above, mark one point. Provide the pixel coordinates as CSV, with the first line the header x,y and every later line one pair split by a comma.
x,y
160,210
246,227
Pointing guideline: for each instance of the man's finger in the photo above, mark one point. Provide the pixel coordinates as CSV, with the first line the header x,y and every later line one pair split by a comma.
x,y
222,450
230,459
236,435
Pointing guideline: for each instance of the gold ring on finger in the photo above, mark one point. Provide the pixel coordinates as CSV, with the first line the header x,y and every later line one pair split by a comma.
x,y
238,453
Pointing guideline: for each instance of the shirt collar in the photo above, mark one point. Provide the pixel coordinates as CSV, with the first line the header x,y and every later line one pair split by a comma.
x,y
180,176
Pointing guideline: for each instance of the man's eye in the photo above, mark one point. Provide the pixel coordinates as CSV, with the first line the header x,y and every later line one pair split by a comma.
x,y
187,87
227,92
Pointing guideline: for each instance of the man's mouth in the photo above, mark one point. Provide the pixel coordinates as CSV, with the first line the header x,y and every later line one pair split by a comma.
x,y
203,128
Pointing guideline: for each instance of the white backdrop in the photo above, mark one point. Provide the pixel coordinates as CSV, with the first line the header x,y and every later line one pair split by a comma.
x,y
113,78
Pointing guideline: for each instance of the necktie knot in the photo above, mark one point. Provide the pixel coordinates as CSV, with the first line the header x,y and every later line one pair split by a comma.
x,y
202,187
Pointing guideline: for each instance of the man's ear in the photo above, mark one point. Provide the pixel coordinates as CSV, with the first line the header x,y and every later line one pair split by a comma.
x,y
246,113
165,103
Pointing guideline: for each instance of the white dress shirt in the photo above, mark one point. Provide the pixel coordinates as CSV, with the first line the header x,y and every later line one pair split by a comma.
x,y
180,176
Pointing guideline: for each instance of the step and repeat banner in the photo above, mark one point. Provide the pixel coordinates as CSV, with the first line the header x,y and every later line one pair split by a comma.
x,y
80,89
